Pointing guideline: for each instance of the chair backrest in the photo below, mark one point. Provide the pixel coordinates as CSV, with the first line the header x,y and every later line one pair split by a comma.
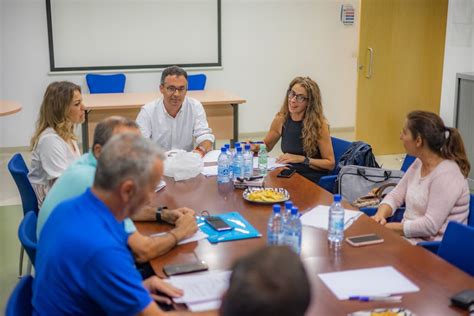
x,y
470,217
457,246
407,162
340,146
19,303
106,83
27,235
196,82
19,172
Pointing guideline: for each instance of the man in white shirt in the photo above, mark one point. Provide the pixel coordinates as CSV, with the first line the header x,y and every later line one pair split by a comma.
x,y
176,121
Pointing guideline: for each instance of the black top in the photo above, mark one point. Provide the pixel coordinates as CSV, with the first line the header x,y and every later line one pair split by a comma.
x,y
292,143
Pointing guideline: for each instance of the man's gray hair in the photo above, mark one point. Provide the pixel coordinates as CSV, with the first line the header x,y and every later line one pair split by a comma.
x,y
126,156
105,129
173,71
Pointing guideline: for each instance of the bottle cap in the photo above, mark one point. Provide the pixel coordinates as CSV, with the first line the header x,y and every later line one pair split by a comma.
x,y
247,146
288,205
223,150
239,149
294,210
237,145
227,146
337,198
276,208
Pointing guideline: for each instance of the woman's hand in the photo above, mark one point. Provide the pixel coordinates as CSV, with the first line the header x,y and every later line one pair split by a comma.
x,y
379,219
290,158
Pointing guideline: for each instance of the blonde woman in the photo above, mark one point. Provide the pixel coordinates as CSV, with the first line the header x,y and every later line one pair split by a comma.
x,y
53,144
304,131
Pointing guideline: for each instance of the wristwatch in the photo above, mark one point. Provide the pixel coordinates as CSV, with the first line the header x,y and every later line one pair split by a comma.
x,y
306,161
158,213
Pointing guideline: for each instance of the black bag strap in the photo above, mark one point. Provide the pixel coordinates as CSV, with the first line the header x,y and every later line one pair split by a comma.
x,y
387,174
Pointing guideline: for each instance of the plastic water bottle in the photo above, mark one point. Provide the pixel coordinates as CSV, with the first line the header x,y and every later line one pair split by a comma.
x,y
336,223
293,231
248,162
263,160
223,165
231,167
288,206
274,227
238,164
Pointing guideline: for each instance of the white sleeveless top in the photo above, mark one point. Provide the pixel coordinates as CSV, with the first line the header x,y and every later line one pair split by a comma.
x,y
51,156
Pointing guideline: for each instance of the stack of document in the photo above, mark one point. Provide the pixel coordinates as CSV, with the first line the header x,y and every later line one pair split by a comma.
x,y
199,235
271,163
319,217
202,291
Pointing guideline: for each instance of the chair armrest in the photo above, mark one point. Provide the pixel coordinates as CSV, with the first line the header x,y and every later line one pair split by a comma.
x,y
432,246
396,217
369,211
328,183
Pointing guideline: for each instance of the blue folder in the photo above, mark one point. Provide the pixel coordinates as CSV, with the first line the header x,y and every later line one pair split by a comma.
x,y
241,228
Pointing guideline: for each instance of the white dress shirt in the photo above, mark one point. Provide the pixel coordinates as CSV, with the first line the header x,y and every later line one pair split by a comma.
x,y
177,132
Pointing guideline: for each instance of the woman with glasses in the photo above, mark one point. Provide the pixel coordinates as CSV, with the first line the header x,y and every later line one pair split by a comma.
x,y
304,131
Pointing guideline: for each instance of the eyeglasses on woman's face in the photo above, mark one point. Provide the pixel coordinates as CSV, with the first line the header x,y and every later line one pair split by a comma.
x,y
299,97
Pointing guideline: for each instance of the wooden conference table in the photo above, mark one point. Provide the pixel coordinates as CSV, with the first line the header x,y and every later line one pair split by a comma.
x,y
221,108
9,107
437,279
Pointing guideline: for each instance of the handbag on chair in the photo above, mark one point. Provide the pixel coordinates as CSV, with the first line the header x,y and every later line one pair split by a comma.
x,y
355,182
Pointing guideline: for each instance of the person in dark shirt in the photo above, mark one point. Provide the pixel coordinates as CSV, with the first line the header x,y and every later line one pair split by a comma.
x,y
304,131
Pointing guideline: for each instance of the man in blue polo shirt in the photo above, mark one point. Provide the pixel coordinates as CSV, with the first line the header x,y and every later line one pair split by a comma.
x,y
83,265
80,176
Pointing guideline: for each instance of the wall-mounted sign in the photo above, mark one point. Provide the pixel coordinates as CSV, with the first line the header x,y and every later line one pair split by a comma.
x,y
347,14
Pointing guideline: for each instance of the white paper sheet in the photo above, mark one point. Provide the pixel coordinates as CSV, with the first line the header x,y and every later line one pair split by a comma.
x,y
201,287
367,282
199,235
211,156
209,171
206,306
319,216
271,163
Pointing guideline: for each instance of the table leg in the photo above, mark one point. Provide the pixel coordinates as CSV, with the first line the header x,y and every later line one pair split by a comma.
x,y
85,134
236,125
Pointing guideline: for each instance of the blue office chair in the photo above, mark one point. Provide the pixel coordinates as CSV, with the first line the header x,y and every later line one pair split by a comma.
x,y
27,235
407,162
19,303
106,83
434,246
196,82
29,202
19,172
457,246
339,146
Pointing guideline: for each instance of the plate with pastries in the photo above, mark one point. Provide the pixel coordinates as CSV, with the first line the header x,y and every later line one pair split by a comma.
x,y
265,195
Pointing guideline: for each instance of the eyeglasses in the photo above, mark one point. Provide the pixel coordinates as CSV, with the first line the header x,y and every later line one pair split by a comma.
x,y
299,97
173,89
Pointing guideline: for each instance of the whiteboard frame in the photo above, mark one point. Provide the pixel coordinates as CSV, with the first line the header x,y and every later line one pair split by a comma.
x,y
54,69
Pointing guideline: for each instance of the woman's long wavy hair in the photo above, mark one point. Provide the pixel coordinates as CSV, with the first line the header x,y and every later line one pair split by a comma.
x,y
313,116
442,140
54,111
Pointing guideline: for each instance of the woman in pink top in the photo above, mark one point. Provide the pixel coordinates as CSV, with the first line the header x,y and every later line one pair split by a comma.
x,y
434,188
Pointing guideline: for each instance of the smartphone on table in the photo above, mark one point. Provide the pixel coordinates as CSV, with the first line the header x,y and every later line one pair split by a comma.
x,y
217,223
286,173
182,268
364,240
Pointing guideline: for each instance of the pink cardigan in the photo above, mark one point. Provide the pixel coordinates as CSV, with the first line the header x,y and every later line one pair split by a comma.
x,y
431,201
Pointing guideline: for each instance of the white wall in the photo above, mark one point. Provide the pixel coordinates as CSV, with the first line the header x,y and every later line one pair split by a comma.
x,y
458,54
265,43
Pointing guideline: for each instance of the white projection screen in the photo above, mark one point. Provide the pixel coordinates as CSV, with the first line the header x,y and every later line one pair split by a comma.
x,y
133,34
